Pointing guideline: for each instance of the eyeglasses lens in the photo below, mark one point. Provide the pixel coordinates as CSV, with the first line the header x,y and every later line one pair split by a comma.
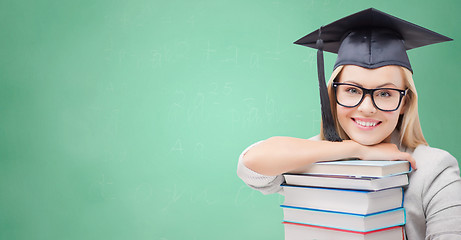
x,y
384,99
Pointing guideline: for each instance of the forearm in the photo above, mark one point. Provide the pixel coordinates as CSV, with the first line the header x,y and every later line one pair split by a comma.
x,y
278,155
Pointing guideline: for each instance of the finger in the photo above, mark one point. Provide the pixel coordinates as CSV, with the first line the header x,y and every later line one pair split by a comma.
x,y
412,161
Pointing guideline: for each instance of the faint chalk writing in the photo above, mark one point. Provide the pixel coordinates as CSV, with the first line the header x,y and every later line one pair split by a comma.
x,y
316,119
198,150
254,61
208,52
234,58
104,188
156,59
177,147
244,196
197,109
201,197
144,191
173,196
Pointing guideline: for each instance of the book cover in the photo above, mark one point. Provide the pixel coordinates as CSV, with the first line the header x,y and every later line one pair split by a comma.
x,y
359,168
346,182
343,200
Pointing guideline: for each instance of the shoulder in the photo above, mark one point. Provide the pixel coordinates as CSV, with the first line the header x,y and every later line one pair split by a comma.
x,y
429,157
436,168
433,197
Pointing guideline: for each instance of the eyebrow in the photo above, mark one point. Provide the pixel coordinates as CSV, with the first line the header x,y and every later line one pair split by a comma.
x,y
380,86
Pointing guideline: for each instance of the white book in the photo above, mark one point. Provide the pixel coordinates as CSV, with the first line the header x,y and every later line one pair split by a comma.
x,y
345,221
359,168
346,182
295,231
343,200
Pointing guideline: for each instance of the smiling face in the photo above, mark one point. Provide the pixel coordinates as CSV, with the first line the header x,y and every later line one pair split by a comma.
x,y
364,123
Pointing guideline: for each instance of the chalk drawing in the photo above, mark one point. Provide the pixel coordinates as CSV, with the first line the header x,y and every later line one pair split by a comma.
x,y
198,150
235,117
156,59
254,61
215,87
144,191
196,111
174,195
275,53
269,106
191,21
316,119
234,58
177,106
227,88
123,155
104,188
122,54
208,52
179,98
311,58
109,51
110,87
244,196
253,115
182,50
167,20
124,20
224,89
202,197
177,147
276,3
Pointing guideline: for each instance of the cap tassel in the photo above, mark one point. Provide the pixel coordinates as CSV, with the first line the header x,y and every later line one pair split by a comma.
x,y
329,130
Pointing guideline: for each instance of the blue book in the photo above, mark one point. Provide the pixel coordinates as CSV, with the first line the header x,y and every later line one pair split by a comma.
x,y
343,200
345,221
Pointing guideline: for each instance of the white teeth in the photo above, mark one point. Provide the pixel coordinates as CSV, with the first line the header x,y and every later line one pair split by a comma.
x,y
366,124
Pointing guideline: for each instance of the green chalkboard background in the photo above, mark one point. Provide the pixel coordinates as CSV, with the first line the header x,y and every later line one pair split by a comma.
x,y
125,119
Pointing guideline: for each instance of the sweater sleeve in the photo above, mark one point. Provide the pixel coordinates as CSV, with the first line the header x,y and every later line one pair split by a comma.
x,y
264,184
441,197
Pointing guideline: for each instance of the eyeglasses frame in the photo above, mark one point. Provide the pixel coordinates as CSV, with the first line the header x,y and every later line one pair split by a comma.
x,y
370,92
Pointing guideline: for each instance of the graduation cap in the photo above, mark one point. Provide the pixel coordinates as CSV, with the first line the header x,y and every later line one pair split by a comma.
x,y
369,39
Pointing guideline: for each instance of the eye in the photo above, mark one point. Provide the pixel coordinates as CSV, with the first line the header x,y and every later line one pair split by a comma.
x,y
384,93
353,90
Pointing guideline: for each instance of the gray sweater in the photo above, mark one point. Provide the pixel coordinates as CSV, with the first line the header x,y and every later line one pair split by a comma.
x,y
432,200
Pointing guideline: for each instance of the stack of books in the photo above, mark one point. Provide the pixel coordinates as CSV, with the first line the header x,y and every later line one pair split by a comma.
x,y
346,200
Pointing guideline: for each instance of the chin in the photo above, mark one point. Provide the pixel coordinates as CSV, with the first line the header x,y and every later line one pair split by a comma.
x,y
367,141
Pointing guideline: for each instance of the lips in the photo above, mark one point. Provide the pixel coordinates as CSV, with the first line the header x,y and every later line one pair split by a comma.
x,y
366,123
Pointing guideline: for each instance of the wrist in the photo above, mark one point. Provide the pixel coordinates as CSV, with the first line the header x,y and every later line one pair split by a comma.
x,y
355,149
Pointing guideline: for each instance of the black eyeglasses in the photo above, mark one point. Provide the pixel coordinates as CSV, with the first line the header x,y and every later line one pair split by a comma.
x,y
384,99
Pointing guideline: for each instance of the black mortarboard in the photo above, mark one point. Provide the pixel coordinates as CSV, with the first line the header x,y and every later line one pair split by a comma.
x,y
370,39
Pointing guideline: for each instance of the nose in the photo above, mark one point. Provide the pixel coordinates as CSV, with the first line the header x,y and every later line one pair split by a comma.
x,y
367,106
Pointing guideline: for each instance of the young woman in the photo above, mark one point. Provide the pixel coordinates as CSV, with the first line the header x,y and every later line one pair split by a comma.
x,y
376,114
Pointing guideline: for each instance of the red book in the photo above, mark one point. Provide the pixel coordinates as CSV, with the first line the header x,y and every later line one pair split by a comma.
x,y
296,231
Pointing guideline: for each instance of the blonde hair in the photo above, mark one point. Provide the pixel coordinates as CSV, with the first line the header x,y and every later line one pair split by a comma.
x,y
411,134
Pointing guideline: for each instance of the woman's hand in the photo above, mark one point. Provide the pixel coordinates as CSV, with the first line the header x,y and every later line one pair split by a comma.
x,y
385,151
